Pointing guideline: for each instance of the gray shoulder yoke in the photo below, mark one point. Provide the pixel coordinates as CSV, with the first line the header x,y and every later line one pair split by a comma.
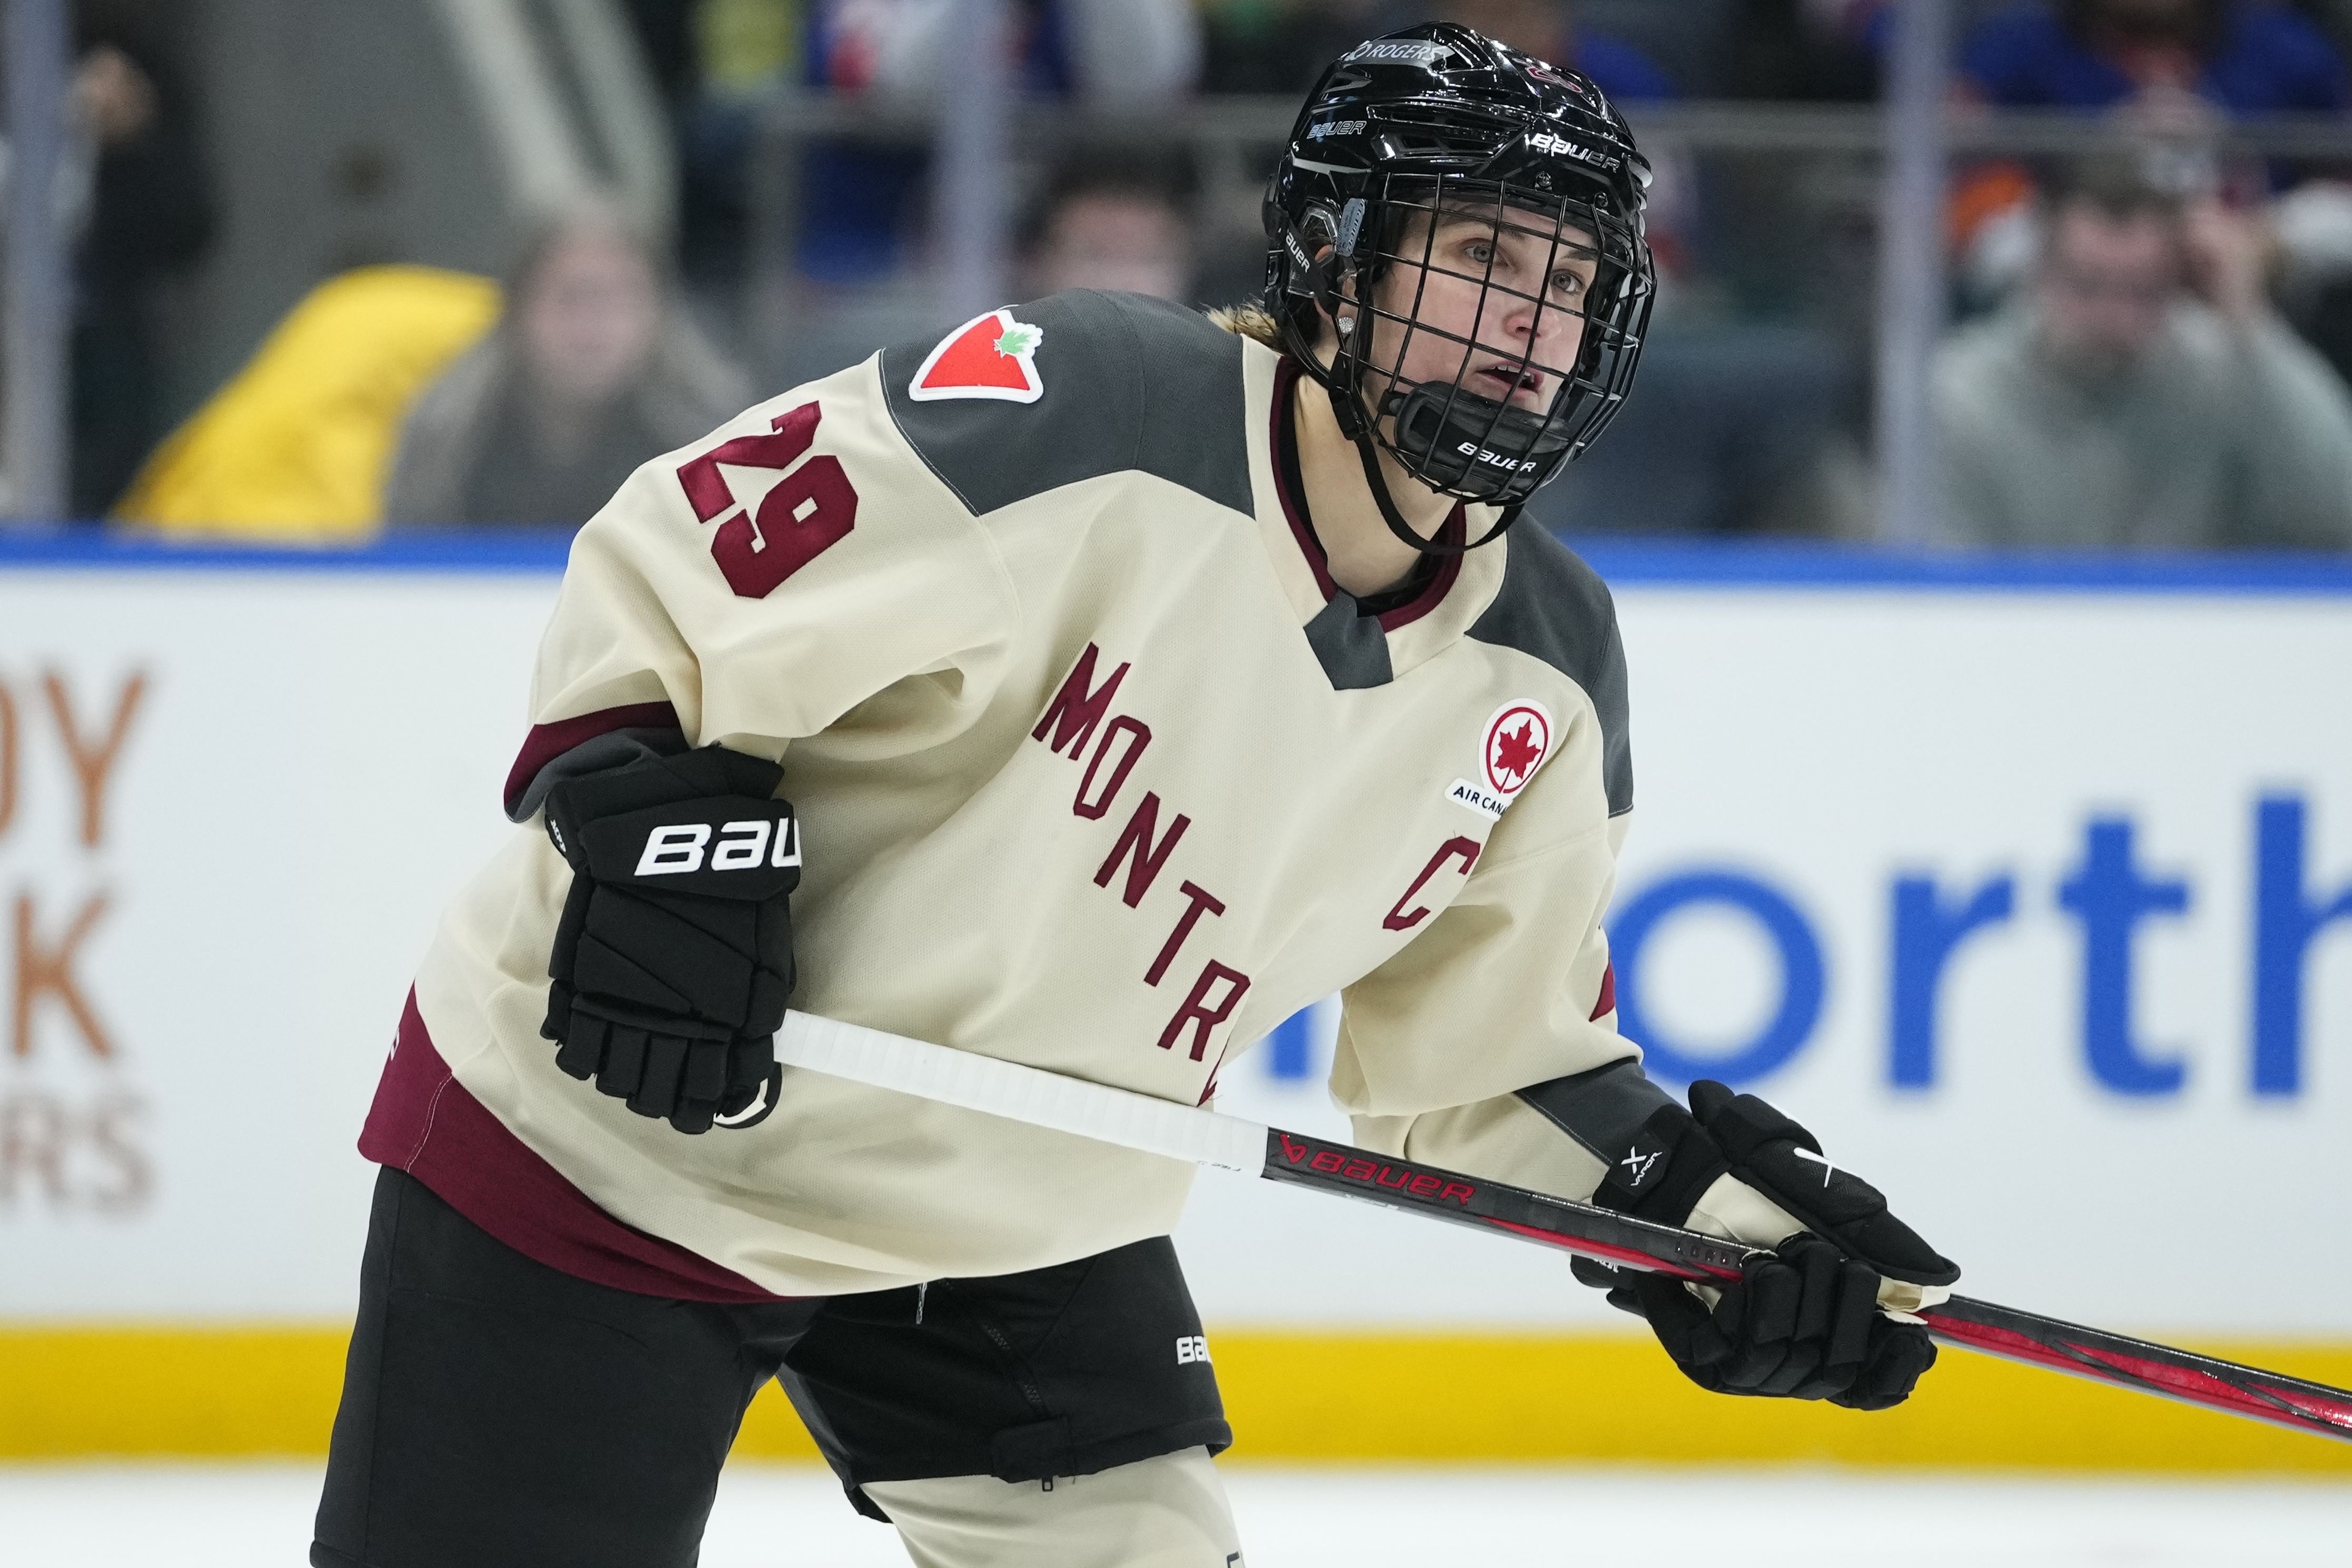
x,y
1131,383
1555,608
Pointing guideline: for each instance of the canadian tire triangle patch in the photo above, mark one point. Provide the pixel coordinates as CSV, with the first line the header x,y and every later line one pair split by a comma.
x,y
991,356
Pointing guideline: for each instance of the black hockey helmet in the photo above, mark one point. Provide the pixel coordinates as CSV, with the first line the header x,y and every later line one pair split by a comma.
x,y
1433,120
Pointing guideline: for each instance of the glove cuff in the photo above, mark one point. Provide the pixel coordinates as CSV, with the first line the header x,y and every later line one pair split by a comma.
x,y
1669,1163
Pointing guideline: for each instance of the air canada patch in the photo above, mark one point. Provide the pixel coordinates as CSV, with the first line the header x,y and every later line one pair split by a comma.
x,y
991,356
1515,741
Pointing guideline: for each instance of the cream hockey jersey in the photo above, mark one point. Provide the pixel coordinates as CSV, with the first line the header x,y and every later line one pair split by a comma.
x,y
1096,770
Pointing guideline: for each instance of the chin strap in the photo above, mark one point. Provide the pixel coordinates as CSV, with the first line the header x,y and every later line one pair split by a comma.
x,y
1355,424
1342,404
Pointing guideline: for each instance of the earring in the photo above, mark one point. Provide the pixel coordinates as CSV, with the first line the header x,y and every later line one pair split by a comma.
x,y
1347,325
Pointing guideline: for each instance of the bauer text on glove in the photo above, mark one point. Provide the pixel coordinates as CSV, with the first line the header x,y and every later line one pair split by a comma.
x,y
674,957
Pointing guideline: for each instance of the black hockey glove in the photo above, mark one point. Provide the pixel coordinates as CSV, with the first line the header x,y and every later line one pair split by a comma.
x,y
674,953
1784,1162
1801,1323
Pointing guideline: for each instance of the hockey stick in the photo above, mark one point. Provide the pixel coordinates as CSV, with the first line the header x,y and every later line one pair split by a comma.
x,y
1140,1121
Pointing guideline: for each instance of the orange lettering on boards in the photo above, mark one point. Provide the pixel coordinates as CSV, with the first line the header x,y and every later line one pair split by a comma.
x,y
7,757
44,970
67,1157
94,763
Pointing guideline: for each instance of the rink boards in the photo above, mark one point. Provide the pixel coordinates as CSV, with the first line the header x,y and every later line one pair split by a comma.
x,y
2026,885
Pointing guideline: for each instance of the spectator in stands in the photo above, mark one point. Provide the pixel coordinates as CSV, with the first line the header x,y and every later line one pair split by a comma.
x,y
1280,46
1811,51
1547,30
713,60
1258,48
2172,65
860,200
2140,391
150,215
591,371
1111,224
2152,56
2333,17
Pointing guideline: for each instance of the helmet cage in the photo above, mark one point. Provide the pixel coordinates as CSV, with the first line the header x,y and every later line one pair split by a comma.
x,y
1448,435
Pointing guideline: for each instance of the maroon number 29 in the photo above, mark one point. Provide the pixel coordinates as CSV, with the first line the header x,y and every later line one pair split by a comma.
x,y
807,512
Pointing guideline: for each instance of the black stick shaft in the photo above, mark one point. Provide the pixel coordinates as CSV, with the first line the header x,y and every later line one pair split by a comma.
x,y
2114,1359
1613,1238
2125,1363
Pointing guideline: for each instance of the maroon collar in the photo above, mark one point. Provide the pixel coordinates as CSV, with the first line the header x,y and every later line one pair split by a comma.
x,y
1294,508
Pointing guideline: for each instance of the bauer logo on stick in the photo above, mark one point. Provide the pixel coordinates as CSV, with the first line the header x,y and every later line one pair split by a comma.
x,y
991,356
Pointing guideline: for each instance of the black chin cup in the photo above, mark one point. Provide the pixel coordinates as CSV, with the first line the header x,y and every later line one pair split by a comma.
x,y
1454,440
1344,375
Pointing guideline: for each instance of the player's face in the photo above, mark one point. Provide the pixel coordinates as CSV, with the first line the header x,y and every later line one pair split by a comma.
x,y
1498,306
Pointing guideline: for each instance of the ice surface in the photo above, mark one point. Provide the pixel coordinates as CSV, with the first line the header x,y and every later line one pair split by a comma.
x,y
250,1516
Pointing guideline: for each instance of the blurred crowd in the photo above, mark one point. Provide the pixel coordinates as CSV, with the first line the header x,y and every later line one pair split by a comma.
x,y
2150,346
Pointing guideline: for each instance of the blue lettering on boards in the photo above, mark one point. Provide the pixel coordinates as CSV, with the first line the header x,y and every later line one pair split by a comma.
x,y
2285,920
2110,897
1290,1049
1801,983
1927,933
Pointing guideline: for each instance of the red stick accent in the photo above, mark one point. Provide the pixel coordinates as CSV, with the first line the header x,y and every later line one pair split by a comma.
x,y
1609,1254
2192,1384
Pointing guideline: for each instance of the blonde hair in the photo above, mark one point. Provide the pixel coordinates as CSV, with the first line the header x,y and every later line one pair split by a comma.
x,y
1252,321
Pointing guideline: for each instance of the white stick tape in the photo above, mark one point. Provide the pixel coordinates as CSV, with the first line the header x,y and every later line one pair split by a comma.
x,y
1019,1093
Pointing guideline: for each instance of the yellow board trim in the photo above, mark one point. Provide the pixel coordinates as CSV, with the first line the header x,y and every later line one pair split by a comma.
x,y
158,1391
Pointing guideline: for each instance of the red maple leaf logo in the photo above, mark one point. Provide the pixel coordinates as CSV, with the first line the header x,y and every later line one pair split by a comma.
x,y
1518,750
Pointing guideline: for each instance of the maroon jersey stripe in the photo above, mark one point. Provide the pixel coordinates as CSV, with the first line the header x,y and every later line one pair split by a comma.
x,y
425,1123
546,742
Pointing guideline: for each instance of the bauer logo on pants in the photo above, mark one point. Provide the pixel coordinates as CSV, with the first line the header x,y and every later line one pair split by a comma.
x,y
991,356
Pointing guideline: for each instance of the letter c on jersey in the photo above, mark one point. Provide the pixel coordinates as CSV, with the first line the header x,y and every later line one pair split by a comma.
x,y
1399,917
1801,983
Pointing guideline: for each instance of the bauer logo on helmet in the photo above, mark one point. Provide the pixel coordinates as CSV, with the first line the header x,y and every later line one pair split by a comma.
x,y
1561,147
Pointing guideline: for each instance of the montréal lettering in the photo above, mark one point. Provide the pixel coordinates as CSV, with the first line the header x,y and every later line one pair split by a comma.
x,y
1075,710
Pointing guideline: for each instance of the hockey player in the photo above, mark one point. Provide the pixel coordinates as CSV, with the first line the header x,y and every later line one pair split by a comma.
x,y
1133,682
